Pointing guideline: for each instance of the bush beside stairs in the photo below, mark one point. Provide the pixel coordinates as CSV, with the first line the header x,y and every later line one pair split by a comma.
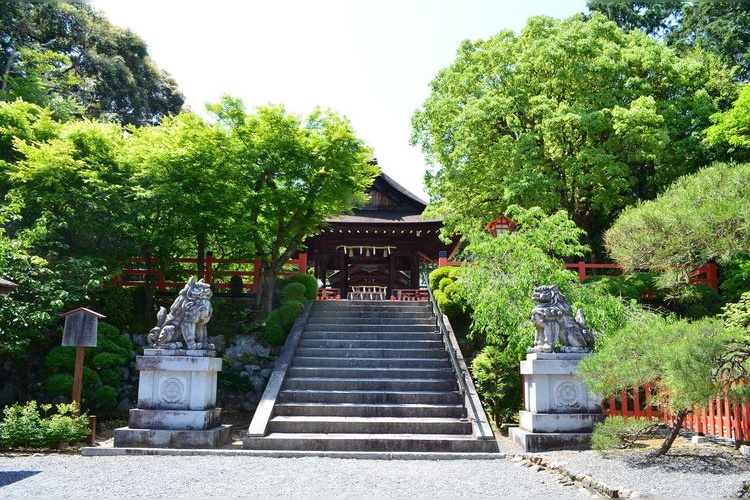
x,y
368,376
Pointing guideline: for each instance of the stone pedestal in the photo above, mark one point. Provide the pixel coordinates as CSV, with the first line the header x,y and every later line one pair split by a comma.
x,y
176,402
559,411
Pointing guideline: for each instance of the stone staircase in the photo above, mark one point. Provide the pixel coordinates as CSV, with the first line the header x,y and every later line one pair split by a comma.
x,y
368,376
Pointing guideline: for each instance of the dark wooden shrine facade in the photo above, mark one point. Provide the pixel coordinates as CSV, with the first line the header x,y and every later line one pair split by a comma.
x,y
383,243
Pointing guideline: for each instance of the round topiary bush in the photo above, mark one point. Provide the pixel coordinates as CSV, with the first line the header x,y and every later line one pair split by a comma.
x,y
289,311
293,291
310,283
60,384
274,331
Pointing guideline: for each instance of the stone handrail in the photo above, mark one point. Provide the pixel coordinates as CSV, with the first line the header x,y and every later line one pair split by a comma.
x,y
477,416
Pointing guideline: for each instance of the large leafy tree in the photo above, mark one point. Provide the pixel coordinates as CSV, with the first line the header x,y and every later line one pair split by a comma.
x,y
295,173
722,28
700,218
574,114
69,57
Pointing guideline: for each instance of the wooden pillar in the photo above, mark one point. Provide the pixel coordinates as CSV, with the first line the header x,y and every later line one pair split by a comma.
x,y
415,270
391,274
344,275
302,262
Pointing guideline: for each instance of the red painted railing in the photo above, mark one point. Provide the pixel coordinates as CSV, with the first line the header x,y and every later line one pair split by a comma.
x,y
707,274
217,272
720,417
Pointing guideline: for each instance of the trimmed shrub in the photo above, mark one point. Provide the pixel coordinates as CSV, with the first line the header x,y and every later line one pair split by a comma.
x,y
289,311
60,359
293,291
737,314
60,384
104,401
497,378
274,331
438,274
310,283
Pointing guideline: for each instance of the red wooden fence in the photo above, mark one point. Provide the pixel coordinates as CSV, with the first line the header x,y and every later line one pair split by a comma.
x,y
707,274
218,272
720,417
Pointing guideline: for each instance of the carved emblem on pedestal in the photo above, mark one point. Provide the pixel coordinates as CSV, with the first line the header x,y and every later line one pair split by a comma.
x,y
172,390
567,395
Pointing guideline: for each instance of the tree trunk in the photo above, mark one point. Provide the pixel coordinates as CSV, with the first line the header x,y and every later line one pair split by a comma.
x,y
201,240
266,288
667,444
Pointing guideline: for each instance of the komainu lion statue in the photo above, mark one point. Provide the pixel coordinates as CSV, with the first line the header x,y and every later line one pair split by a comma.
x,y
185,325
553,318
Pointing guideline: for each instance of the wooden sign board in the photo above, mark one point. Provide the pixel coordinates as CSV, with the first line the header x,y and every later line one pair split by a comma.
x,y
80,327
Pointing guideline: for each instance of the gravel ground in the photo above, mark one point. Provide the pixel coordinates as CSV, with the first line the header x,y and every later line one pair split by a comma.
x,y
705,471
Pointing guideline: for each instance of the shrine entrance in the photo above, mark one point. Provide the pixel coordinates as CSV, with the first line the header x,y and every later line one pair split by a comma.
x,y
382,244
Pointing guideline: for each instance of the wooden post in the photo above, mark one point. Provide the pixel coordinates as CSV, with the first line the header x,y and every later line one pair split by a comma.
x,y
78,374
582,270
208,271
302,262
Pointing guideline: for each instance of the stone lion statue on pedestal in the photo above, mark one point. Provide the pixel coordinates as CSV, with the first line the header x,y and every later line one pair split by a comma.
x,y
184,327
554,321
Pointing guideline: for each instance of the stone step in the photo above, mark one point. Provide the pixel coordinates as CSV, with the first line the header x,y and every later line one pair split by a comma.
x,y
374,384
371,410
438,443
372,335
369,425
370,372
370,397
408,315
395,319
371,353
361,327
370,305
365,362
370,344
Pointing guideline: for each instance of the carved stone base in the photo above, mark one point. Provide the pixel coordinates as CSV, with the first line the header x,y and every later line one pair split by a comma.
x,y
559,411
176,403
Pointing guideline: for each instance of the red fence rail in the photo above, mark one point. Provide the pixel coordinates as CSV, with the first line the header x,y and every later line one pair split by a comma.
x,y
721,417
217,272
707,274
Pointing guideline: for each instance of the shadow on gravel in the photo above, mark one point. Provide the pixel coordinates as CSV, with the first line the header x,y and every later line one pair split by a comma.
x,y
13,476
720,463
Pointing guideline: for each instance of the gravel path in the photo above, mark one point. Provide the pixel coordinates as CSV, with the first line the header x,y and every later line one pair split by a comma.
x,y
705,472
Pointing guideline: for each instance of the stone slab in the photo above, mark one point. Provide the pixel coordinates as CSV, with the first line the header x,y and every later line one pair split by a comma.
x,y
549,366
559,394
174,419
534,442
559,422
177,363
557,355
180,352
126,437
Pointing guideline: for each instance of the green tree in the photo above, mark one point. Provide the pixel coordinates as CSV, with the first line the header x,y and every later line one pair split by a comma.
x,y
682,359
700,218
70,178
574,114
68,56
497,286
295,173
722,28
730,131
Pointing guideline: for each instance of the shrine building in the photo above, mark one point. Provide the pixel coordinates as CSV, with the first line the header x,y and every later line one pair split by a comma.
x,y
380,246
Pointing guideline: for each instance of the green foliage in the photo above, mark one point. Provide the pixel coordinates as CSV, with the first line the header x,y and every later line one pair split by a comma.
x,y
118,305
273,331
680,357
496,375
70,58
438,274
497,287
32,426
293,291
310,283
289,311
735,277
60,384
618,432
573,114
737,315
105,370
700,218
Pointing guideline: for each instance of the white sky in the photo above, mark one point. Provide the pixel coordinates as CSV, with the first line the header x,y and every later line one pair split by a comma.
x,y
370,60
